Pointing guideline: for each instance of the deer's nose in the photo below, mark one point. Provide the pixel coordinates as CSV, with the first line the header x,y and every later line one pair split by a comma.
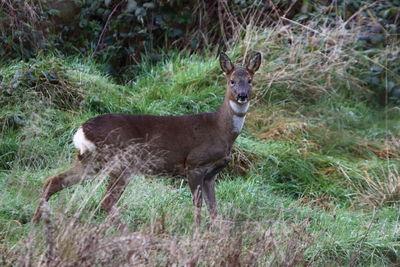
x,y
242,97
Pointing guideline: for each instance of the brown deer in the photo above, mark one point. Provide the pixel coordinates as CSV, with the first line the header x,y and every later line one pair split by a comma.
x,y
194,146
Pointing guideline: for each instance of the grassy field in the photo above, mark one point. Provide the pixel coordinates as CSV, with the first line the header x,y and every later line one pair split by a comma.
x,y
314,181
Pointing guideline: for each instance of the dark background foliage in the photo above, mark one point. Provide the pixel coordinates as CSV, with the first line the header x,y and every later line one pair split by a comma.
x,y
120,32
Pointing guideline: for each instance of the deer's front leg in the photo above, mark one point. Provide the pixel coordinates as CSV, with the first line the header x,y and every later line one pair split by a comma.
x,y
209,196
196,179
209,185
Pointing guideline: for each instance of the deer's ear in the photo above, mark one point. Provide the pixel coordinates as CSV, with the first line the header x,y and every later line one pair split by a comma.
x,y
226,63
254,62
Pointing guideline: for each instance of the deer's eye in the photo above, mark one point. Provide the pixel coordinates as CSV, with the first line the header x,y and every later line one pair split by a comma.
x,y
232,82
250,81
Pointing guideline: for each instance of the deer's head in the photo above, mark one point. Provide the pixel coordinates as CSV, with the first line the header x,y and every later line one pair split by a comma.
x,y
239,79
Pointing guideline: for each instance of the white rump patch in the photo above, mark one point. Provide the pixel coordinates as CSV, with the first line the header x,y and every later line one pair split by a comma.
x,y
239,109
238,123
82,143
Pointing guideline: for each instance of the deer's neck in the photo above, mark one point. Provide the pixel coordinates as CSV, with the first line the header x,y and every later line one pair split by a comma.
x,y
231,117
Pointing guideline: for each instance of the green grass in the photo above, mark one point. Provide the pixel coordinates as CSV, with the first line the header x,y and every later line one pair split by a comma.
x,y
302,168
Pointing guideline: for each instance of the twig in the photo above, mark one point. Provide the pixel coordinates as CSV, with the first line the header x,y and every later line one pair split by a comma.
x,y
301,25
356,14
221,20
106,27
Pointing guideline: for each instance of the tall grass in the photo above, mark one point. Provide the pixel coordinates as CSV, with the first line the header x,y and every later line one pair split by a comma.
x,y
67,238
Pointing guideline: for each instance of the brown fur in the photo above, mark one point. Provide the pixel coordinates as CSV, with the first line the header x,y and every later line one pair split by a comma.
x,y
195,146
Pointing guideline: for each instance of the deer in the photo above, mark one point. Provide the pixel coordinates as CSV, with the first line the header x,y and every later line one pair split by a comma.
x,y
196,146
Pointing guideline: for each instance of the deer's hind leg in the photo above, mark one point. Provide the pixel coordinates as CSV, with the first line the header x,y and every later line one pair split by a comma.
x,y
196,181
119,179
76,174
116,186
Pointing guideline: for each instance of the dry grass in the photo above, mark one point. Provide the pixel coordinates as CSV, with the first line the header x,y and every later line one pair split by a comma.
x,y
276,124
80,240
314,60
383,151
375,188
69,242
242,161
287,129
385,190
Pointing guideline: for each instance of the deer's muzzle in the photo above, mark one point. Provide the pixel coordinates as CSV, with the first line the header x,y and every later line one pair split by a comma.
x,y
242,98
